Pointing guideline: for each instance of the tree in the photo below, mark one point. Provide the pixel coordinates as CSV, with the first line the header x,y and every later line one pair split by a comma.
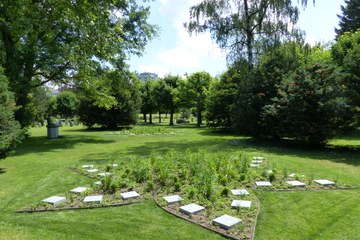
x,y
67,104
56,41
10,132
194,91
312,105
125,88
346,53
169,94
244,27
220,104
350,18
148,99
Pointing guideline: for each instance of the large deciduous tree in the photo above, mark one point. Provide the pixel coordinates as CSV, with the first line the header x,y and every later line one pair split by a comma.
x,y
124,87
10,132
56,40
194,91
170,95
67,104
350,18
244,27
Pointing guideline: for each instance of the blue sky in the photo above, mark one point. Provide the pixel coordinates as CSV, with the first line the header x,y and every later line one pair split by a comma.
x,y
176,52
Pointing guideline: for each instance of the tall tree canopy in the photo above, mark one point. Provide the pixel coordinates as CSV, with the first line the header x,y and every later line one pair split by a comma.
x,y
350,18
244,27
194,91
56,40
10,132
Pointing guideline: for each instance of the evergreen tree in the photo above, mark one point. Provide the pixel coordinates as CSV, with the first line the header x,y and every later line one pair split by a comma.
x,y
350,18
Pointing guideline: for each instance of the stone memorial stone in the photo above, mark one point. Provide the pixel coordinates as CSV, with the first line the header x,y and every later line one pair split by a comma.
x,y
226,221
257,161
54,200
87,166
324,182
92,170
78,190
292,175
98,183
191,208
239,192
254,165
240,203
93,199
104,174
128,195
263,184
258,158
296,183
113,165
172,199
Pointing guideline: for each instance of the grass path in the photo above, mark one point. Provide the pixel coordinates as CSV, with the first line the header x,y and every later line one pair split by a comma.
x,y
41,168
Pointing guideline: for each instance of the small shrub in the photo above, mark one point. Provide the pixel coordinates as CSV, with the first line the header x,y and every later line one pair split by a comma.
x,y
225,192
149,186
272,177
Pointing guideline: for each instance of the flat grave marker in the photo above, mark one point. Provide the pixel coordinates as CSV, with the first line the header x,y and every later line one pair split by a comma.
x,y
191,208
98,183
226,221
241,203
172,199
254,165
239,192
324,182
54,200
93,199
78,190
104,174
296,183
87,166
128,195
263,184
92,170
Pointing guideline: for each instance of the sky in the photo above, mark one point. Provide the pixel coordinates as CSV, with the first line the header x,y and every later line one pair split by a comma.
x,y
175,52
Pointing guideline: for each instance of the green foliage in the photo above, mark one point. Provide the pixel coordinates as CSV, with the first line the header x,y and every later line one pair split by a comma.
x,y
57,41
148,99
311,105
125,89
10,131
244,27
194,91
67,104
221,101
346,53
350,19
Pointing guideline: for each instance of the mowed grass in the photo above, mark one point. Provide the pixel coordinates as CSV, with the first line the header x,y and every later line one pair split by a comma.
x,y
41,168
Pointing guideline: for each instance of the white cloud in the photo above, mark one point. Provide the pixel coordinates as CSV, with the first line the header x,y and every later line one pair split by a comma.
x,y
188,53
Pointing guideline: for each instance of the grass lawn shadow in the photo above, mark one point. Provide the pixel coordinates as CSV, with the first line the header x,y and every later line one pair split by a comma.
x,y
338,154
40,144
2,170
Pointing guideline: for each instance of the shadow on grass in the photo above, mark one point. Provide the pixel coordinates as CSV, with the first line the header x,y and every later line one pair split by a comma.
x,y
2,170
334,154
43,144
340,154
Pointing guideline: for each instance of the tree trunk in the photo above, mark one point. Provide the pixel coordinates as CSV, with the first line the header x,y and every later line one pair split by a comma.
x,y
199,118
150,118
144,116
171,118
159,117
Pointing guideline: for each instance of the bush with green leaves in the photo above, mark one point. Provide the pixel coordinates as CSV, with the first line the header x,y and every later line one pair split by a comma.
x,y
311,105
10,130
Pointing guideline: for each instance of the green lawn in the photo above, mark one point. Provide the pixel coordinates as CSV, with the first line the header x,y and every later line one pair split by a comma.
x,y
41,168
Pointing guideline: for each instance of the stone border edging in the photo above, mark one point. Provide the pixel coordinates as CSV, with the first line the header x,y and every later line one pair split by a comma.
x,y
76,208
